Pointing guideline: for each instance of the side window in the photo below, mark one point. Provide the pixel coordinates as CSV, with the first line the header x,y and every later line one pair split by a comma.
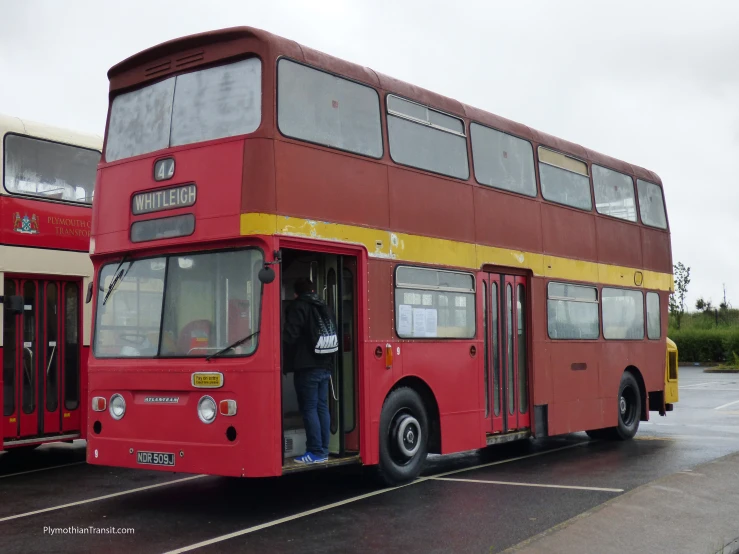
x,y
614,193
651,204
623,314
654,321
564,179
325,109
502,161
572,311
427,139
433,303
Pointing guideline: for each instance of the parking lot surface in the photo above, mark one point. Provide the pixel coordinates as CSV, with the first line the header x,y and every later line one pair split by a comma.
x,y
488,501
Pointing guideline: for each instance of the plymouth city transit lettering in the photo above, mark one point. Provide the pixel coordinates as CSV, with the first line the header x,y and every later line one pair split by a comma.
x,y
164,199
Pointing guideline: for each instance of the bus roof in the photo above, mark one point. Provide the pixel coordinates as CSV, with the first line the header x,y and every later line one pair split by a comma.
x,y
232,42
9,124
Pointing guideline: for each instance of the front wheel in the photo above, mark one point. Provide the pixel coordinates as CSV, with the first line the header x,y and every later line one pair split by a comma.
x,y
404,434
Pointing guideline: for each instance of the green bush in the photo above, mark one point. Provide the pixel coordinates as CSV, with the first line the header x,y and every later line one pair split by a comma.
x,y
706,345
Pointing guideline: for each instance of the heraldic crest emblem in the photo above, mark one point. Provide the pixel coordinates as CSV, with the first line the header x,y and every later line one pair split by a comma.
x,y
25,224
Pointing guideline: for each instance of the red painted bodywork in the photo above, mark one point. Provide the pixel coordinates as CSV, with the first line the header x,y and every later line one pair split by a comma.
x,y
266,172
55,226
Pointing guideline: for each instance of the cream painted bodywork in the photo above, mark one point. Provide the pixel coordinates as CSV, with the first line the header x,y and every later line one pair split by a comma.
x,y
37,261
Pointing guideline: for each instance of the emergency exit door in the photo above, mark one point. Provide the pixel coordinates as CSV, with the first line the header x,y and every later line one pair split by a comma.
x,y
41,359
506,357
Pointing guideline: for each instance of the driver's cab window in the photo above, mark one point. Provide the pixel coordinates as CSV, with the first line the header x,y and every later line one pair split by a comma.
x,y
208,304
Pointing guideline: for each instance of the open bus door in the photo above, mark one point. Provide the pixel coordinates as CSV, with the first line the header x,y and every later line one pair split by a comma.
x,y
335,278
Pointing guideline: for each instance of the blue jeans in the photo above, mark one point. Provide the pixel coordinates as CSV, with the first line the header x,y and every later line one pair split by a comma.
x,y
311,386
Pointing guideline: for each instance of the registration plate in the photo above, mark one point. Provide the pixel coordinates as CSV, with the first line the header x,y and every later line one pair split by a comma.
x,y
155,458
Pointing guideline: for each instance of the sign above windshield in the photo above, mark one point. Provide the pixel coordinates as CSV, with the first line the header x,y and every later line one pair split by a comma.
x,y
164,199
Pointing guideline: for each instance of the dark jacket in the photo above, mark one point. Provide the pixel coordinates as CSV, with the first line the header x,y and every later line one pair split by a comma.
x,y
297,344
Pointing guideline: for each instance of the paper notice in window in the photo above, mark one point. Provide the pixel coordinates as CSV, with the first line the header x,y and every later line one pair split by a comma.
x,y
431,319
419,322
405,318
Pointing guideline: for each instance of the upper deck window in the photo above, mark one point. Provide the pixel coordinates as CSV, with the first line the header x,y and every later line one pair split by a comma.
x,y
614,193
218,102
502,160
51,170
651,204
564,179
427,139
325,109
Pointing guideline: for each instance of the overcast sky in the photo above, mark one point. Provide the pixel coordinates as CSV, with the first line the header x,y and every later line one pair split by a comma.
x,y
653,83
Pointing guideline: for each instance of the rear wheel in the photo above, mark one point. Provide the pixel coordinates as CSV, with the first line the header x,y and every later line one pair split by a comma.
x,y
404,432
629,412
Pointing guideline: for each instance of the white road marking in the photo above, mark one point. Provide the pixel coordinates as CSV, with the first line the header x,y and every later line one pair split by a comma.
x,y
515,484
293,517
695,385
98,498
715,390
727,405
40,469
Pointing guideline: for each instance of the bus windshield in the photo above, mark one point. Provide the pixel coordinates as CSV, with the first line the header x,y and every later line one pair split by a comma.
x,y
179,306
218,102
52,170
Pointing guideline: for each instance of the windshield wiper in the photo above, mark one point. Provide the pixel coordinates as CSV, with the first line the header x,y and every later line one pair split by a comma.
x,y
232,345
117,278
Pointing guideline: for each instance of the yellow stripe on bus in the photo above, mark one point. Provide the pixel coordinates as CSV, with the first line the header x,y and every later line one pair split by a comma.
x,y
430,250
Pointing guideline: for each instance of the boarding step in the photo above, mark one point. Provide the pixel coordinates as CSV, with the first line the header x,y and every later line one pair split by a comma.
x,y
500,438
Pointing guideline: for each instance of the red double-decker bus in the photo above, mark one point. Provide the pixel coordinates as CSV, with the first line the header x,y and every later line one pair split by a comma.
x,y
48,178
490,282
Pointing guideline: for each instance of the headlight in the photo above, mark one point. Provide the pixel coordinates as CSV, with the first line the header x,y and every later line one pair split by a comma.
x,y
117,406
207,409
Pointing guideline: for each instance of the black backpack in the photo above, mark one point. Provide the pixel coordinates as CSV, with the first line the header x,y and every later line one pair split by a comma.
x,y
323,330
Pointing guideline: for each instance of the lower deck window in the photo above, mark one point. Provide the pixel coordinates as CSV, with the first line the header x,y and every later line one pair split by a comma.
x,y
623,314
434,304
572,311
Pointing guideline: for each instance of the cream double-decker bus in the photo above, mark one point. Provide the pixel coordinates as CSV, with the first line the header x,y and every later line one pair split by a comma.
x,y
48,179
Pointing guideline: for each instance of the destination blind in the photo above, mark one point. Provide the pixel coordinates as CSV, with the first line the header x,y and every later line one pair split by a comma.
x,y
164,199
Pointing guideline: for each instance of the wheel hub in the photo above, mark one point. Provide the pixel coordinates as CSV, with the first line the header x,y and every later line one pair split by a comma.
x,y
622,405
408,436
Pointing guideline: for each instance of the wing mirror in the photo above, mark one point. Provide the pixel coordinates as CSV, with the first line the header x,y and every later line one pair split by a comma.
x,y
14,304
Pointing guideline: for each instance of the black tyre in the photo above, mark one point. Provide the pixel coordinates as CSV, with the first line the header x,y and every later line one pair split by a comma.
x,y
629,412
404,434
629,408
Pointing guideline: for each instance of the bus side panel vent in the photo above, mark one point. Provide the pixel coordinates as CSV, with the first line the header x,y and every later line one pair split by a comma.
x,y
158,69
193,57
541,421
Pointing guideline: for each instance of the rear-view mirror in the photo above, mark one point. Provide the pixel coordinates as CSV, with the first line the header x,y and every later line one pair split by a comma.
x,y
88,298
266,275
14,304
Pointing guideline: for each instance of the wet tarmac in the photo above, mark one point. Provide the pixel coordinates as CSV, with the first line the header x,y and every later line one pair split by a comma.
x,y
484,501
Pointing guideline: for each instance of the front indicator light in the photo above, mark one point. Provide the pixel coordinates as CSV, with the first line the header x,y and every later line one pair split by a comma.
x,y
117,406
227,407
207,409
98,404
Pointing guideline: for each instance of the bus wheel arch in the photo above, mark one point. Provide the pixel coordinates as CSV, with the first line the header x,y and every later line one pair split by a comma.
x,y
405,433
631,403
432,408
644,415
